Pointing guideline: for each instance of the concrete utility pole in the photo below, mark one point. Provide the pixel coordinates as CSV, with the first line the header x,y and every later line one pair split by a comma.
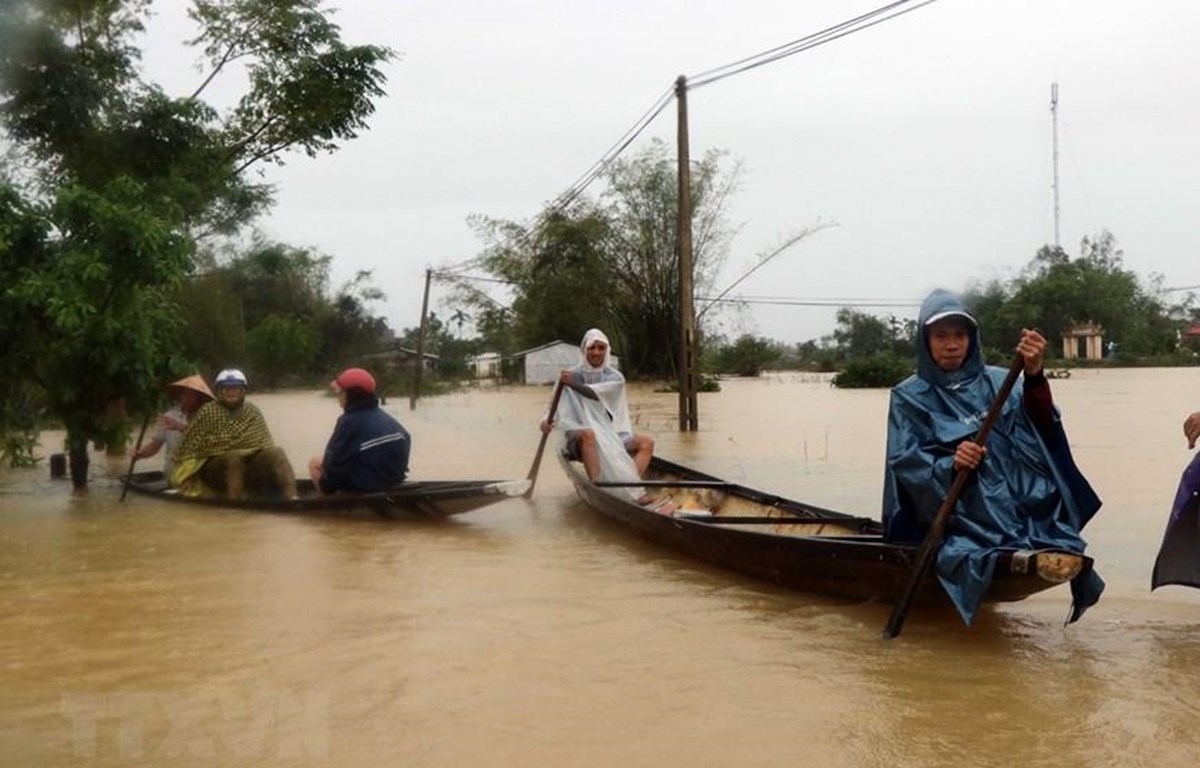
x,y
1054,129
688,417
416,393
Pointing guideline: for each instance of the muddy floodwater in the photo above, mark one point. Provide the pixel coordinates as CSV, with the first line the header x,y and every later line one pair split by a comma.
x,y
532,634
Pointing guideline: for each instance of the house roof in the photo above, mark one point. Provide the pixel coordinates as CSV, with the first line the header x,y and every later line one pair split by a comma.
x,y
547,345
400,352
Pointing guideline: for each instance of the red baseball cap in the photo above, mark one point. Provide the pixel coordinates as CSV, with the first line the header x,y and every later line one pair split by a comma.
x,y
355,377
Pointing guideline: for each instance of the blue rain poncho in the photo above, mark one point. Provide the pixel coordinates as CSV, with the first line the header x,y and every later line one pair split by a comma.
x,y
1178,560
1026,494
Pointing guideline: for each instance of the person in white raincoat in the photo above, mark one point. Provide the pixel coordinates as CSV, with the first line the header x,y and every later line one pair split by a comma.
x,y
609,385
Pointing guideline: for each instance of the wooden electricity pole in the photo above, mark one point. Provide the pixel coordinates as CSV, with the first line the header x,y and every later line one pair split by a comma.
x,y
416,393
688,417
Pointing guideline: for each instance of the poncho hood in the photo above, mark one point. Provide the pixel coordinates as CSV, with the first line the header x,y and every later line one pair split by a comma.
x,y
939,305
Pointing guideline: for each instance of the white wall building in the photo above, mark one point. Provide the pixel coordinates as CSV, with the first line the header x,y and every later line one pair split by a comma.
x,y
542,364
485,366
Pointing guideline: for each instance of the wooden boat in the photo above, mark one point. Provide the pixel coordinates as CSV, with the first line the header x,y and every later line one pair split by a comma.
x,y
794,544
423,498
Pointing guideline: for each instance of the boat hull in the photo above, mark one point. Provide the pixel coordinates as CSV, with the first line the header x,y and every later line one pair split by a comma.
x,y
796,545
427,499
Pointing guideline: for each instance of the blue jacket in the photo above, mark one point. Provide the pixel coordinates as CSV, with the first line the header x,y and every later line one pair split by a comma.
x,y
1026,494
367,452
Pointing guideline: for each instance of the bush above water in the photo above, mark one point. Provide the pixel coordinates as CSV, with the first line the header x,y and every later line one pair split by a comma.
x,y
874,371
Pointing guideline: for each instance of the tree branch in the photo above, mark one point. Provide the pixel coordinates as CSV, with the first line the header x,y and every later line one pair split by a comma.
x,y
227,57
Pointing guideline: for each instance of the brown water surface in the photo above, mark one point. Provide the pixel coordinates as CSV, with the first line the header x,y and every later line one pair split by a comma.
x,y
530,633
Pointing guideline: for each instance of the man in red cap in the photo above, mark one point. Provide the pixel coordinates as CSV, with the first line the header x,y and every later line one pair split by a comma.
x,y
368,450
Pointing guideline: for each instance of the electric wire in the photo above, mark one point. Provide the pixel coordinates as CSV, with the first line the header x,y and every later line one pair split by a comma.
x,y
837,31
786,301
707,77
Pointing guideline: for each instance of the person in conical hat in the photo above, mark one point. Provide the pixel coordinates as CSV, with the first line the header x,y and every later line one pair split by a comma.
x,y
189,393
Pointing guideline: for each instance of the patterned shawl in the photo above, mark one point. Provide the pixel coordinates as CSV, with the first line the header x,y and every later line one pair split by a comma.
x,y
216,429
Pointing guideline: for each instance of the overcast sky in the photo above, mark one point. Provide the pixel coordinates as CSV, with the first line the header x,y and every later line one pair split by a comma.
x,y
926,138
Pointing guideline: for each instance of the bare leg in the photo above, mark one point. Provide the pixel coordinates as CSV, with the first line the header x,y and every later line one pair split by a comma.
x,y
223,474
314,469
641,447
589,453
269,474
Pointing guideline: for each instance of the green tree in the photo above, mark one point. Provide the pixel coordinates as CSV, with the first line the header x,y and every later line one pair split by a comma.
x,y
122,177
611,263
1055,293
560,271
347,328
231,300
641,202
279,346
84,286
749,355
859,334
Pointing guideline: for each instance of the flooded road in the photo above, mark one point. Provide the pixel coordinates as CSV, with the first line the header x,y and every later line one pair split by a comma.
x,y
531,633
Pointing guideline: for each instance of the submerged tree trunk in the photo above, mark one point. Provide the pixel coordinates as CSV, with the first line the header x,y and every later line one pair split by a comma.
x,y
77,450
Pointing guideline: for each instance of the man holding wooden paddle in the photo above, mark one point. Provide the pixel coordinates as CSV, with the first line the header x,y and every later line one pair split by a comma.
x,y
1023,490
597,372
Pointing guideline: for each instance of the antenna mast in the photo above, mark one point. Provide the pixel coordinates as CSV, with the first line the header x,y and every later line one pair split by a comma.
x,y
1054,128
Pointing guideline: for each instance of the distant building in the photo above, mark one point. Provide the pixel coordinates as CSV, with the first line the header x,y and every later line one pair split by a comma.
x,y
1084,341
1189,337
401,358
484,366
540,365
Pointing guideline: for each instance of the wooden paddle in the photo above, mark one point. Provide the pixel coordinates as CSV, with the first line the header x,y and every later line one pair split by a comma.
x,y
134,458
537,457
937,531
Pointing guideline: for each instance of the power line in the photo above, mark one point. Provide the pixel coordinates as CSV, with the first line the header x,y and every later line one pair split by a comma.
x,y
607,159
788,301
597,169
477,279
808,42
837,31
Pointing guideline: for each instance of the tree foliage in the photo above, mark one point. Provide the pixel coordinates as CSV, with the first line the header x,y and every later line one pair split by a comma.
x,y
1055,293
84,284
859,334
275,291
279,346
610,263
561,272
872,372
749,355
119,178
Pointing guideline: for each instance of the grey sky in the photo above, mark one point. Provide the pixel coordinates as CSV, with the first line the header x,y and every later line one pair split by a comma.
x,y
926,138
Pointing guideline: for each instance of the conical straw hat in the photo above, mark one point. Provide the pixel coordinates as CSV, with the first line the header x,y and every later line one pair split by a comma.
x,y
195,383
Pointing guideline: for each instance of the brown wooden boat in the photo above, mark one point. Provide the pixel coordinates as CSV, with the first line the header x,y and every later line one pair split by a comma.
x,y
422,498
794,544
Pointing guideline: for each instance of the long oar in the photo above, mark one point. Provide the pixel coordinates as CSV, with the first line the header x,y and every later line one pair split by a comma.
x,y
937,531
537,458
134,458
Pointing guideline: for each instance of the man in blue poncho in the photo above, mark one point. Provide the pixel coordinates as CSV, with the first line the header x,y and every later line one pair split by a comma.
x,y
1025,492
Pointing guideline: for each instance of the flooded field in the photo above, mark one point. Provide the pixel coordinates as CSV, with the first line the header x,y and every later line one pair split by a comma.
x,y
531,633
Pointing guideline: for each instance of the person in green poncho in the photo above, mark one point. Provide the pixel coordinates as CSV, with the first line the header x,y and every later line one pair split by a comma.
x,y
227,450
